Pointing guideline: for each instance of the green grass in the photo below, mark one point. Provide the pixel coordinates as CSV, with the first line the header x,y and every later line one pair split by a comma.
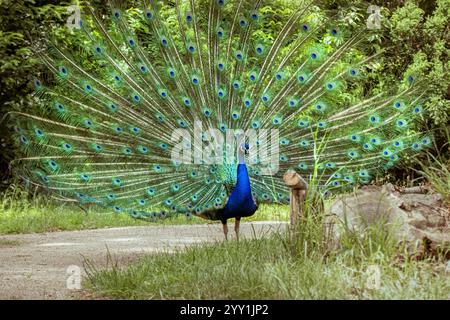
x,y
267,269
436,171
19,214
295,265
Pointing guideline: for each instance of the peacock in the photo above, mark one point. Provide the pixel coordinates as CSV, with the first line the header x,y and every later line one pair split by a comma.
x,y
198,107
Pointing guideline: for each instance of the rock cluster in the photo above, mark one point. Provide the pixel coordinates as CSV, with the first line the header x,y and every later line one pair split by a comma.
x,y
412,216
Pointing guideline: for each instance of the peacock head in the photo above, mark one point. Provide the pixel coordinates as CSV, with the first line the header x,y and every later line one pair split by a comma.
x,y
243,147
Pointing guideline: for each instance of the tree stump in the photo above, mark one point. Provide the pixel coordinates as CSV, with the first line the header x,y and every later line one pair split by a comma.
x,y
298,188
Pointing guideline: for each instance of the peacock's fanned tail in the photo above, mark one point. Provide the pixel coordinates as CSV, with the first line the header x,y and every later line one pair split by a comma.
x,y
102,132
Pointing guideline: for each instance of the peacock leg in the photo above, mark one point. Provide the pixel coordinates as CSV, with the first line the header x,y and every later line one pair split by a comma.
x,y
236,227
225,230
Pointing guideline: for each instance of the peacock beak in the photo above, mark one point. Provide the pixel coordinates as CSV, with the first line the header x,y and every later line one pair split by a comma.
x,y
244,148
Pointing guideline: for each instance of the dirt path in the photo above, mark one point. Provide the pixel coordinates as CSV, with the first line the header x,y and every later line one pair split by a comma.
x,y
35,266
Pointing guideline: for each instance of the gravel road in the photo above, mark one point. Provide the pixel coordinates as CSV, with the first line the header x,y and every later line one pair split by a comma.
x,y
35,266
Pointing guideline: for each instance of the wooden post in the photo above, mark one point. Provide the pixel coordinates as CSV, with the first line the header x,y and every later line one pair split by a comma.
x,y
298,188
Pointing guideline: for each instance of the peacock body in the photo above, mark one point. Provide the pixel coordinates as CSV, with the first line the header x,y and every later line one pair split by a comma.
x,y
149,117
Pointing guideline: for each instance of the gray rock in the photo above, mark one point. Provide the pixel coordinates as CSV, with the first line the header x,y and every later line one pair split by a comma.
x,y
420,220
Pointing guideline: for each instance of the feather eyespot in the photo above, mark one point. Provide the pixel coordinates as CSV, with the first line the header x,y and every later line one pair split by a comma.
x,y
63,70
242,22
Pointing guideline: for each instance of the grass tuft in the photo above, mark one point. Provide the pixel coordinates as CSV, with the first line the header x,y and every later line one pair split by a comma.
x,y
437,173
265,269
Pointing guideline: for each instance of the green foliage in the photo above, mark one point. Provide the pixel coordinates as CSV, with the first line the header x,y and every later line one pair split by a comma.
x,y
421,38
405,19
21,21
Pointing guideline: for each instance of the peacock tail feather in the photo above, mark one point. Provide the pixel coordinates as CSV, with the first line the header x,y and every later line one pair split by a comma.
x,y
103,130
